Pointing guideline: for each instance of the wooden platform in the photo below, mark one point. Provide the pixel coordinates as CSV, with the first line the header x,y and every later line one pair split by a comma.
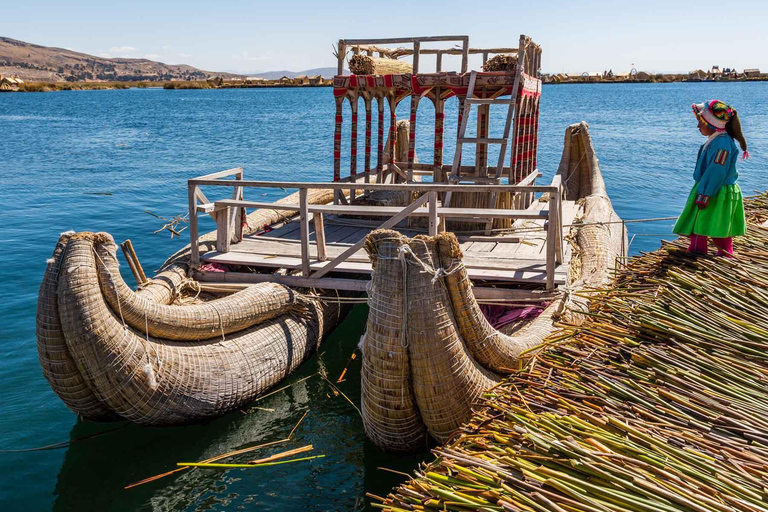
x,y
506,260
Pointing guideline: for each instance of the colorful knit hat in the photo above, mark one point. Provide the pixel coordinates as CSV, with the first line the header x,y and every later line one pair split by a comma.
x,y
714,112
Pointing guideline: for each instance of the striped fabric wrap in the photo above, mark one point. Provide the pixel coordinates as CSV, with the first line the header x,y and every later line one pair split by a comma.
x,y
337,139
353,148
368,135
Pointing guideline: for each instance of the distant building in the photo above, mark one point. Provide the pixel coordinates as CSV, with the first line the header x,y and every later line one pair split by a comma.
x,y
642,75
752,73
285,80
301,80
316,80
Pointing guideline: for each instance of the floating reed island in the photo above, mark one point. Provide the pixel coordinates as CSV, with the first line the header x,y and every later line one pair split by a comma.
x,y
465,267
656,402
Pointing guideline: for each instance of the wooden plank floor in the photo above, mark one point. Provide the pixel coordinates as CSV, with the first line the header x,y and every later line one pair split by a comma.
x,y
522,261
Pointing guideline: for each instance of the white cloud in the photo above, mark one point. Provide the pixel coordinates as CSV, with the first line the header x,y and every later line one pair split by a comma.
x,y
185,55
166,47
152,56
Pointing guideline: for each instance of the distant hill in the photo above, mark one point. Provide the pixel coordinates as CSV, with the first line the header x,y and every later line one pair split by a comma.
x,y
276,75
35,63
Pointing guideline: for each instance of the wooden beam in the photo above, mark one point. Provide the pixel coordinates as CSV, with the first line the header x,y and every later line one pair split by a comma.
x,y
303,220
357,285
320,236
194,248
384,211
433,219
223,235
404,40
223,174
416,48
404,187
342,55
388,224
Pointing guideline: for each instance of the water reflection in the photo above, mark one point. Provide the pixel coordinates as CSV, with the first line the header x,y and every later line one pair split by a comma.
x,y
95,471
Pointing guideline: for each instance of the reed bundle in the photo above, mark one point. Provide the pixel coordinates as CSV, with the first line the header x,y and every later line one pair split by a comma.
x,y
657,402
501,62
365,65
100,346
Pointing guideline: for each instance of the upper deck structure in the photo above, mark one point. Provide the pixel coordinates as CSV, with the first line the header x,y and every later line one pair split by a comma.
x,y
511,237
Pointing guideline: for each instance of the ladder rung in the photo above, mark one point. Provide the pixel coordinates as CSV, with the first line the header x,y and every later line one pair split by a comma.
x,y
470,140
488,101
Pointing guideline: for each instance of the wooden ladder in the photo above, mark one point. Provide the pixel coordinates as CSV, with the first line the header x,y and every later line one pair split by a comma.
x,y
455,176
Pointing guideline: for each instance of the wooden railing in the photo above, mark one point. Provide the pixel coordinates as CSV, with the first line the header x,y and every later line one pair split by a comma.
x,y
228,213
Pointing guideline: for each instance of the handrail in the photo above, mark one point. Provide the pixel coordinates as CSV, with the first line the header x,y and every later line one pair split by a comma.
x,y
404,187
226,222
415,41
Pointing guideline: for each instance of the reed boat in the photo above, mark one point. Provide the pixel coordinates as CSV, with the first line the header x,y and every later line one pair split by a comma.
x,y
465,267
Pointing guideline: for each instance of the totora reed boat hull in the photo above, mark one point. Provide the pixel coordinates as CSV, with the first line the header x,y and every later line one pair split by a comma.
x,y
429,351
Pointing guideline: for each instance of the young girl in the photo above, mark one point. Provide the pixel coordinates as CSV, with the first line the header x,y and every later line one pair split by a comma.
x,y
714,208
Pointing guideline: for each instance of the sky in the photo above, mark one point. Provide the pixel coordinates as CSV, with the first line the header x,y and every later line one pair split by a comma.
x,y
247,37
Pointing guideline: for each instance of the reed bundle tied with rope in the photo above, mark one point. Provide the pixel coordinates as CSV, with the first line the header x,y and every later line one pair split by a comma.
x,y
365,65
658,402
501,62
110,352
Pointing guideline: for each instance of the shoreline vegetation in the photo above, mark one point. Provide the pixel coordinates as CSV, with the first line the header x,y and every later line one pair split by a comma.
x,y
256,84
175,84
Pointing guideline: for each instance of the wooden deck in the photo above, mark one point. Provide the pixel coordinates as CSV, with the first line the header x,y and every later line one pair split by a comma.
x,y
505,260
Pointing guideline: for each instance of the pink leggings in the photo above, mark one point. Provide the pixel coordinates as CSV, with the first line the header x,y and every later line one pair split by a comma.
x,y
699,245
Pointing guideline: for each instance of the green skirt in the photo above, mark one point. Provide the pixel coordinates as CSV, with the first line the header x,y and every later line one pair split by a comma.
x,y
723,218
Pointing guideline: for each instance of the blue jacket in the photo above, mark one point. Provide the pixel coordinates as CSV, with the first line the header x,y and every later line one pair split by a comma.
x,y
716,165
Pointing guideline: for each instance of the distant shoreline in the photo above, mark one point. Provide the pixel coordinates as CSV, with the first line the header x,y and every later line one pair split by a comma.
x,y
176,84
201,84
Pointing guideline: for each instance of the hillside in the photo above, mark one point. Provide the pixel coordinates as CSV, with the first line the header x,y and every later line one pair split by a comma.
x,y
32,62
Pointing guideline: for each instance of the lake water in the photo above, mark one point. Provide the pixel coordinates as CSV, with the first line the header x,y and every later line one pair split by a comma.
x,y
58,149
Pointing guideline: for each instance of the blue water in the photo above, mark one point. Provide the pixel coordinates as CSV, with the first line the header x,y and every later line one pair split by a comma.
x,y
140,146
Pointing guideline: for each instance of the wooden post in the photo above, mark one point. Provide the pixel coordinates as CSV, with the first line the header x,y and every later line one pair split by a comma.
x,y
223,233
304,231
320,236
342,49
194,256
485,58
380,145
465,56
416,49
439,62
433,220
551,246
133,262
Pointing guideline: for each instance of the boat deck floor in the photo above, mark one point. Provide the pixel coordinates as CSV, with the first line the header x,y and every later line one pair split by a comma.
x,y
514,258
